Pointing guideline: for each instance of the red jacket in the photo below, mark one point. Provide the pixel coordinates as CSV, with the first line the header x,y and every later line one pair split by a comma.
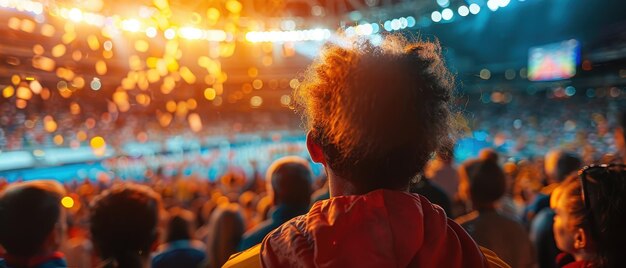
x,y
380,229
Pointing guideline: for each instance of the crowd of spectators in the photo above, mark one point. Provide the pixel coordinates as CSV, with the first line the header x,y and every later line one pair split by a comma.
x,y
489,211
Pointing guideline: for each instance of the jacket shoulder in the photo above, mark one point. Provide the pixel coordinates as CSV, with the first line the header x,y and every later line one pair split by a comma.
x,y
493,260
246,259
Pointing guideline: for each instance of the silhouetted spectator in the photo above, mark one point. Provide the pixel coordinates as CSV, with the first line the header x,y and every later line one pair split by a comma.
x,y
559,165
482,185
180,249
227,228
32,224
124,225
289,185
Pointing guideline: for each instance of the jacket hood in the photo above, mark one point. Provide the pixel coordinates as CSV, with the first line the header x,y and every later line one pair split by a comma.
x,y
383,228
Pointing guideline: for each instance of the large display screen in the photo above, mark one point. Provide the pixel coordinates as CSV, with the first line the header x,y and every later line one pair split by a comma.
x,y
553,61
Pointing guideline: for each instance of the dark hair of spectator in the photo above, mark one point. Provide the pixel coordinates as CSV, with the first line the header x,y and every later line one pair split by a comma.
x,y
28,214
485,179
180,225
124,224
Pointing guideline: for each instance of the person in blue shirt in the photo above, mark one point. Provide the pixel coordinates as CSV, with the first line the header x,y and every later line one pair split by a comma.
x,y
180,249
289,184
32,224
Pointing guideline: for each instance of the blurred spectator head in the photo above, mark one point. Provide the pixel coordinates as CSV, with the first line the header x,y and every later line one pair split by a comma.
x,y
289,181
489,154
596,228
227,228
180,225
376,113
482,182
124,224
620,133
32,221
559,164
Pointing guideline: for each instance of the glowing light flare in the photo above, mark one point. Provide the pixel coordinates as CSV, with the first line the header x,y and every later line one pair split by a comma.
x,y
285,100
253,72
108,45
16,79
288,36
8,92
170,106
195,122
24,93
233,6
93,42
169,34
38,49
49,124
493,5
58,50
47,30
141,46
95,84
443,3
74,108
474,8
447,14
463,11
97,142
191,33
187,75
77,55
23,5
165,119
36,87
58,139
21,104
485,74
257,84
131,25
143,99
151,32
256,101
213,15
210,94
75,15
181,109
78,82
67,202
45,94
436,16
192,104
294,83
101,67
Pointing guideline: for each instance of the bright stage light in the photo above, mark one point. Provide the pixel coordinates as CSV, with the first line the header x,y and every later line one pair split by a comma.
x,y
447,14
503,3
410,21
493,5
443,3
387,26
75,15
151,32
23,5
288,36
474,8
170,34
436,16
463,11
131,25
190,33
